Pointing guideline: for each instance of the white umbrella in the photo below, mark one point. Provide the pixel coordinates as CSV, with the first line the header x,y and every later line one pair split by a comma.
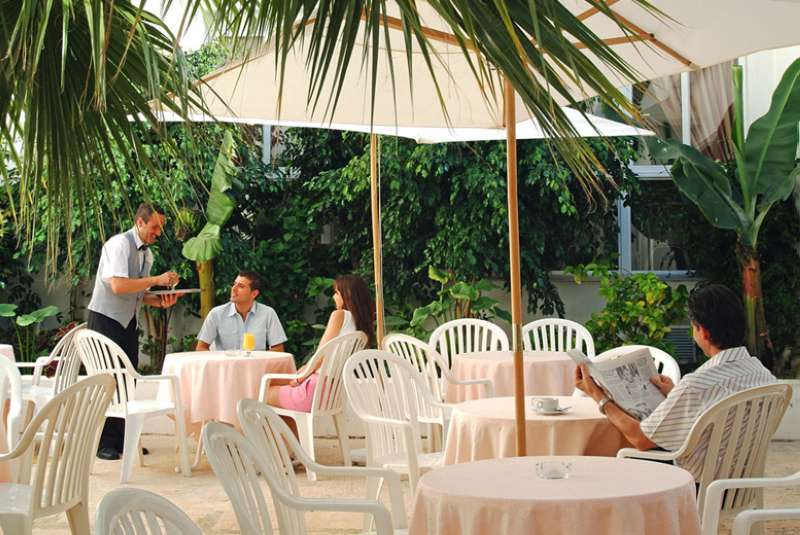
x,y
695,34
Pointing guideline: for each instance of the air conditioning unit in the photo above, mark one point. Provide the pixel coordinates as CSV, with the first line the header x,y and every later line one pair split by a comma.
x,y
681,339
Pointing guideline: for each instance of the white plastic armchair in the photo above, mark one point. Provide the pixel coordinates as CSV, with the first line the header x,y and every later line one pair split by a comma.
x,y
68,429
732,436
431,365
128,511
101,355
665,364
557,334
384,391
744,521
277,444
329,396
68,365
240,467
465,336
11,392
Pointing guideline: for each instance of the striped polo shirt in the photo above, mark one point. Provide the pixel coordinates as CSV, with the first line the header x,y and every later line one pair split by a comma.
x,y
726,373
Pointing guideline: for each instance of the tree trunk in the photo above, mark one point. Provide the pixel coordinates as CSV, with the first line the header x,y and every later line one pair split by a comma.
x,y
205,272
758,341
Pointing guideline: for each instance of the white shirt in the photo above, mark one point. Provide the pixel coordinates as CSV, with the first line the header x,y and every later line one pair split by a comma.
x,y
726,373
348,324
114,256
224,327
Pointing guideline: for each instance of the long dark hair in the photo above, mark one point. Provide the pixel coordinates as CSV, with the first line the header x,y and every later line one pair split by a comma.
x,y
358,300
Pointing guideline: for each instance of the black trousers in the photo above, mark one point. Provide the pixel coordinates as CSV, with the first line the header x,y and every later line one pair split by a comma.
x,y
113,435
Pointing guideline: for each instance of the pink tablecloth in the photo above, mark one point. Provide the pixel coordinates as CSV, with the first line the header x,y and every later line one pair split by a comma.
x,y
547,373
485,429
7,351
603,495
212,383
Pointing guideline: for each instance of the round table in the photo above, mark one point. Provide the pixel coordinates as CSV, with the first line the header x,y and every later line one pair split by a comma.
x,y
212,382
602,495
485,429
547,373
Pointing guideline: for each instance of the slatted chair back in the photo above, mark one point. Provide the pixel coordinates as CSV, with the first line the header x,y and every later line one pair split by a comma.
x,y
665,364
737,431
129,511
329,392
556,334
240,467
274,441
69,362
100,354
426,361
465,336
68,430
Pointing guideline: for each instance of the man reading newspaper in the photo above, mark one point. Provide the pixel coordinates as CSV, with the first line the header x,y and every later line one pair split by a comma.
x,y
718,327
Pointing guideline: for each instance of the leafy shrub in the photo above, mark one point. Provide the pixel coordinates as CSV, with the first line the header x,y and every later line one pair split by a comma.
x,y
639,308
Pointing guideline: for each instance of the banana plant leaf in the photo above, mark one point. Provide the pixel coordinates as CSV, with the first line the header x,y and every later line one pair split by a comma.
x,y
37,316
205,245
462,290
7,310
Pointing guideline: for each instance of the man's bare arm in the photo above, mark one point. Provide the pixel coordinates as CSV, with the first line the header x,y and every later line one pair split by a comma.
x,y
124,285
277,347
202,346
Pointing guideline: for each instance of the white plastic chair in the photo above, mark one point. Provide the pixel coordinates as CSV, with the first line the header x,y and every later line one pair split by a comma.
x,y
241,467
744,521
465,336
384,391
128,511
11,392
100,354
735,432
65,354
556,334
275,442
329,396
665,364
69,430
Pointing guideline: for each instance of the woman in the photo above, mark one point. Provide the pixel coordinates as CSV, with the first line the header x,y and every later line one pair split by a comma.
x,y
354,312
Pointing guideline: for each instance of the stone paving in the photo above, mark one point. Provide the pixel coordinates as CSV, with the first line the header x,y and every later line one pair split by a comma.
x,y
203,499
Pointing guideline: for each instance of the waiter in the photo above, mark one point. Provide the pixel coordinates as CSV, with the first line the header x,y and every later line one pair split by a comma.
x,y
120,286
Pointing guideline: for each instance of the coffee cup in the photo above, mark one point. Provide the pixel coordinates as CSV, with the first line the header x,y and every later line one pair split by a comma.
x,y
545,404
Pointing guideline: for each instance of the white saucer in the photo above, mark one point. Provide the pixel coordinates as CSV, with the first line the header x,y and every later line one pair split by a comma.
x,y
560,410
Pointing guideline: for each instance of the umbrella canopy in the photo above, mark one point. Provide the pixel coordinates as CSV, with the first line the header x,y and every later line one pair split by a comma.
x,y
694,34
586,125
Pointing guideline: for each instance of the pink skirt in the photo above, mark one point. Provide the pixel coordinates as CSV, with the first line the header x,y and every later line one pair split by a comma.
x,y
300,397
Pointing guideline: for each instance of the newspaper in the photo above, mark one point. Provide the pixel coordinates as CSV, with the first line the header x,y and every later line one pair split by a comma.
x,y
626,380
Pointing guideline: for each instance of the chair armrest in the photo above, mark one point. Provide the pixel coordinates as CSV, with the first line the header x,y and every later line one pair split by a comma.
x,y
745,520
716,491
267,377
487,383
633,453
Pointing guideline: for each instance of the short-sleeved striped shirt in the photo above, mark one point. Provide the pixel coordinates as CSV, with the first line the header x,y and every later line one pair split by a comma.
x,y
726,373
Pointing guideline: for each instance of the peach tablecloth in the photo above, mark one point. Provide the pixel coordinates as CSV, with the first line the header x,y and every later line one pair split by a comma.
x,y
547,373
603,495
7,351
212,383
485,429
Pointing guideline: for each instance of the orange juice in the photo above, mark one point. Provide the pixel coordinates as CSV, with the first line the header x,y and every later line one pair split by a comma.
x,y
248,342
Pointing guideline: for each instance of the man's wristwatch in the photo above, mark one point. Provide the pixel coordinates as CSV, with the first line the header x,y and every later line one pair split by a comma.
x,y
601,405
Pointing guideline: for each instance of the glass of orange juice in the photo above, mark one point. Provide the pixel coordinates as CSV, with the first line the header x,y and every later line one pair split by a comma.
x,y
248,343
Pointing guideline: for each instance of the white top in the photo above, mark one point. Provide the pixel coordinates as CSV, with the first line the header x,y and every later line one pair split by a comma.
x,y
114,257
726,373
224,328
348,325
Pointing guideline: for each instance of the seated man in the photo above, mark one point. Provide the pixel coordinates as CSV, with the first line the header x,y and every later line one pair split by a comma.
x,y
718,327
226,324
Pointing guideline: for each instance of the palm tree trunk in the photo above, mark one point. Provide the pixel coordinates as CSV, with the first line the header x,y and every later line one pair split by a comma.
x,y
758,341
205,272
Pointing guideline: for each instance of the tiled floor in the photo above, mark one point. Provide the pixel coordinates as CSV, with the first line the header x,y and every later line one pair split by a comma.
x,y
203,499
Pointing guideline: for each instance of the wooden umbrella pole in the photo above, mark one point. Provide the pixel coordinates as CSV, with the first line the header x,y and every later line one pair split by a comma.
x,y
377,257
514,261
